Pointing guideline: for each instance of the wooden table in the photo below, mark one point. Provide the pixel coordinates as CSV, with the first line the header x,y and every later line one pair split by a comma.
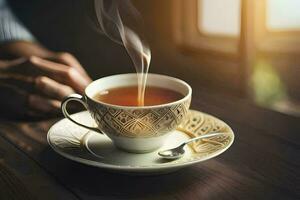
x,y
263,162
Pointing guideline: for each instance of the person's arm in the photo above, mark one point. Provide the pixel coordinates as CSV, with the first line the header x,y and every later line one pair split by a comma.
x,y
15,39
33,79
17,49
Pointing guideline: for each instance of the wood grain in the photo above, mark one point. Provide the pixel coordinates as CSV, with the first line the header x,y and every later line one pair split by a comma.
x,y
263,162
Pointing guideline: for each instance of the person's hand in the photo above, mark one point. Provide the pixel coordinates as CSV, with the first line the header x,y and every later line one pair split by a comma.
x,y
35,86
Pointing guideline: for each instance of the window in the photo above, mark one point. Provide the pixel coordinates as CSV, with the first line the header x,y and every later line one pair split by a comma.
x,y
195,31
253,45
219,17
283,15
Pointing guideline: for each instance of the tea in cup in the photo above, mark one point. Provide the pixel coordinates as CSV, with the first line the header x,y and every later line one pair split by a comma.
x,y
112,103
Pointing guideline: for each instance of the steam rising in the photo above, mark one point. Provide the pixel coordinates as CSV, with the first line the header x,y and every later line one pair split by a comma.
x,y
111,24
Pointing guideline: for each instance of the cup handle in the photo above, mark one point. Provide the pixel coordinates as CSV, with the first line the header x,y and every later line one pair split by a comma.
x,y
80,99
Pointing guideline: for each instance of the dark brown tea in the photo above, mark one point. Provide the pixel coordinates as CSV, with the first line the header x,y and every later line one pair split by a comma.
x,y
128,96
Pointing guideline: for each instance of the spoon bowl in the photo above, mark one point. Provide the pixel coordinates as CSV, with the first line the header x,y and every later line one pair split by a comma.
x,y
178,152
172,154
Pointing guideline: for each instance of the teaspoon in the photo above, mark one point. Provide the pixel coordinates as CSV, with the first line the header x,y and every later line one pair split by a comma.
x,y
178,151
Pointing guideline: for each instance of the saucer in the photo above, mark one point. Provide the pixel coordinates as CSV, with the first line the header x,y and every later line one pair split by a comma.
x,y
91,148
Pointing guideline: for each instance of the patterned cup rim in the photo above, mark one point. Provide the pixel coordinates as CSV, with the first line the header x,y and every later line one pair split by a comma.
x,y
185,98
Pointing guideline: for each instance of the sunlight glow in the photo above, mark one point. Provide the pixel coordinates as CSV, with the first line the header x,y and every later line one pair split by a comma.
x,y
267,86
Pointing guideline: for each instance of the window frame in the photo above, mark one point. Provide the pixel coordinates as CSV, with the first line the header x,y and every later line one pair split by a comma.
x,y
189,37
273,42
256,42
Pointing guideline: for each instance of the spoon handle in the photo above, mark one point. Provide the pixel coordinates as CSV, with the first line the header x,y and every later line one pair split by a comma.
x,y
201,137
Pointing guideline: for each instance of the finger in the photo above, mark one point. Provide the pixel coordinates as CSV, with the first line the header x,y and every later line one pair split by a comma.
x,y
16,61
49,66
21,66
42,104
62,73
70,60
52,88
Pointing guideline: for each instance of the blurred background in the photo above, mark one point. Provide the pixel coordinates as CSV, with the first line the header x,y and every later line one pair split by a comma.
x,y
245,48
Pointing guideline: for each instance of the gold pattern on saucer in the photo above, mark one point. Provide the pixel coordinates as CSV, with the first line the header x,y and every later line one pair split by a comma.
x,y
198,123
75,143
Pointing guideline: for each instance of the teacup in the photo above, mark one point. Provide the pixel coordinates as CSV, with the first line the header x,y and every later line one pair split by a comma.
x,y
137,129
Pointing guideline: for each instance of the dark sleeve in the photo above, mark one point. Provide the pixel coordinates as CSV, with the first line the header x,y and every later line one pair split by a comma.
x,y
11,29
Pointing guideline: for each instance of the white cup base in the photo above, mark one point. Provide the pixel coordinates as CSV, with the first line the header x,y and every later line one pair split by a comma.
x,y
138,145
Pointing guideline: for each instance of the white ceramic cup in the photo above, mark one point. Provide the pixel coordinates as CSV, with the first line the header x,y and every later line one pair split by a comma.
x,y
137,129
